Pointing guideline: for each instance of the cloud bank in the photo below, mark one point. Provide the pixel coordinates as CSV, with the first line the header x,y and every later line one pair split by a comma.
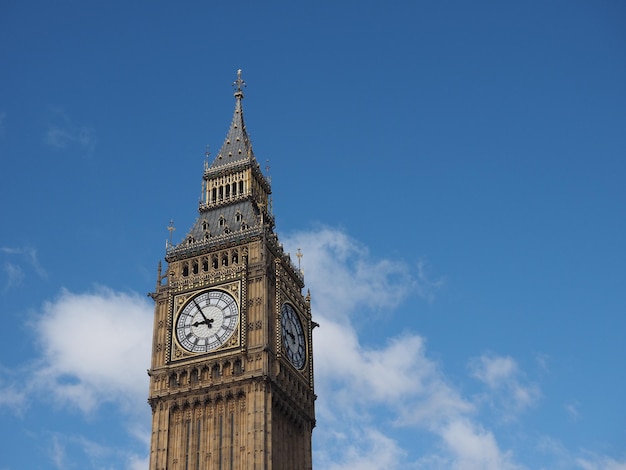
x,y
95,348
357,384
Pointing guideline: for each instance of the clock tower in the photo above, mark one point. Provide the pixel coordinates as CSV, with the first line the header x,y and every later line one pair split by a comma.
x,y
231,379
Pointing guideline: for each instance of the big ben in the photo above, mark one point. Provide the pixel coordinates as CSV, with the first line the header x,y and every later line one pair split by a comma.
x,y
231,379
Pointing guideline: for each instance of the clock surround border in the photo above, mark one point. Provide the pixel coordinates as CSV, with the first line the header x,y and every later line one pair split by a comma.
x,y
235,288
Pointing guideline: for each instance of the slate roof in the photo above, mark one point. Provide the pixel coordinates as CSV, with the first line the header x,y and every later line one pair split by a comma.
x,y
226,219
237,146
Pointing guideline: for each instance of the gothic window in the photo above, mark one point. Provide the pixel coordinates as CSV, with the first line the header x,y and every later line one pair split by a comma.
x,y
221,192
237,369
195,267
205,225
215,372
235,257
198,433
173,381
238,216
241,187
222,221
214,195
205,264
225,259
234,190
227,191
204,373
214,262
186,269
187,445
193,379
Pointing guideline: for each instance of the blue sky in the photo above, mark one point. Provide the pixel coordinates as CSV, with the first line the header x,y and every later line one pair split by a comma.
x,y
453,173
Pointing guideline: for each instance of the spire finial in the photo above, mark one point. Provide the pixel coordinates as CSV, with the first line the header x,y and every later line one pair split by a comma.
x,y
299,255
239,84
170,228
206,158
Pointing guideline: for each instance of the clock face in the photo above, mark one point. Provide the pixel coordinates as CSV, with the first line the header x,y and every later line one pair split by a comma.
x,y
294,343
207,321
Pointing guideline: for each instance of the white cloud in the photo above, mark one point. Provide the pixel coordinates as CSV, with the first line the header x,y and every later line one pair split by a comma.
x,y
599,462
505,382
494,371
474,448
14,266
66,450
365,449
57,452
357,384
12,395
136,462
95,348
14,275
356,280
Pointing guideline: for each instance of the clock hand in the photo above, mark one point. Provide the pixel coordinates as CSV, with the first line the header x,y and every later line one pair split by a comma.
x,y
200,310
207,321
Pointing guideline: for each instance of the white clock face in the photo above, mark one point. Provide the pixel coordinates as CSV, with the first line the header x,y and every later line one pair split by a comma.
x,y
207,321
294,343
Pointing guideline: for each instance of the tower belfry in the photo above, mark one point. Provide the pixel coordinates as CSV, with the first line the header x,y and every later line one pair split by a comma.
x,y
231,379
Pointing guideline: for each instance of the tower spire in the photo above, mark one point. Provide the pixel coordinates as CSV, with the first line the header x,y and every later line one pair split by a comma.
x,y
237,146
